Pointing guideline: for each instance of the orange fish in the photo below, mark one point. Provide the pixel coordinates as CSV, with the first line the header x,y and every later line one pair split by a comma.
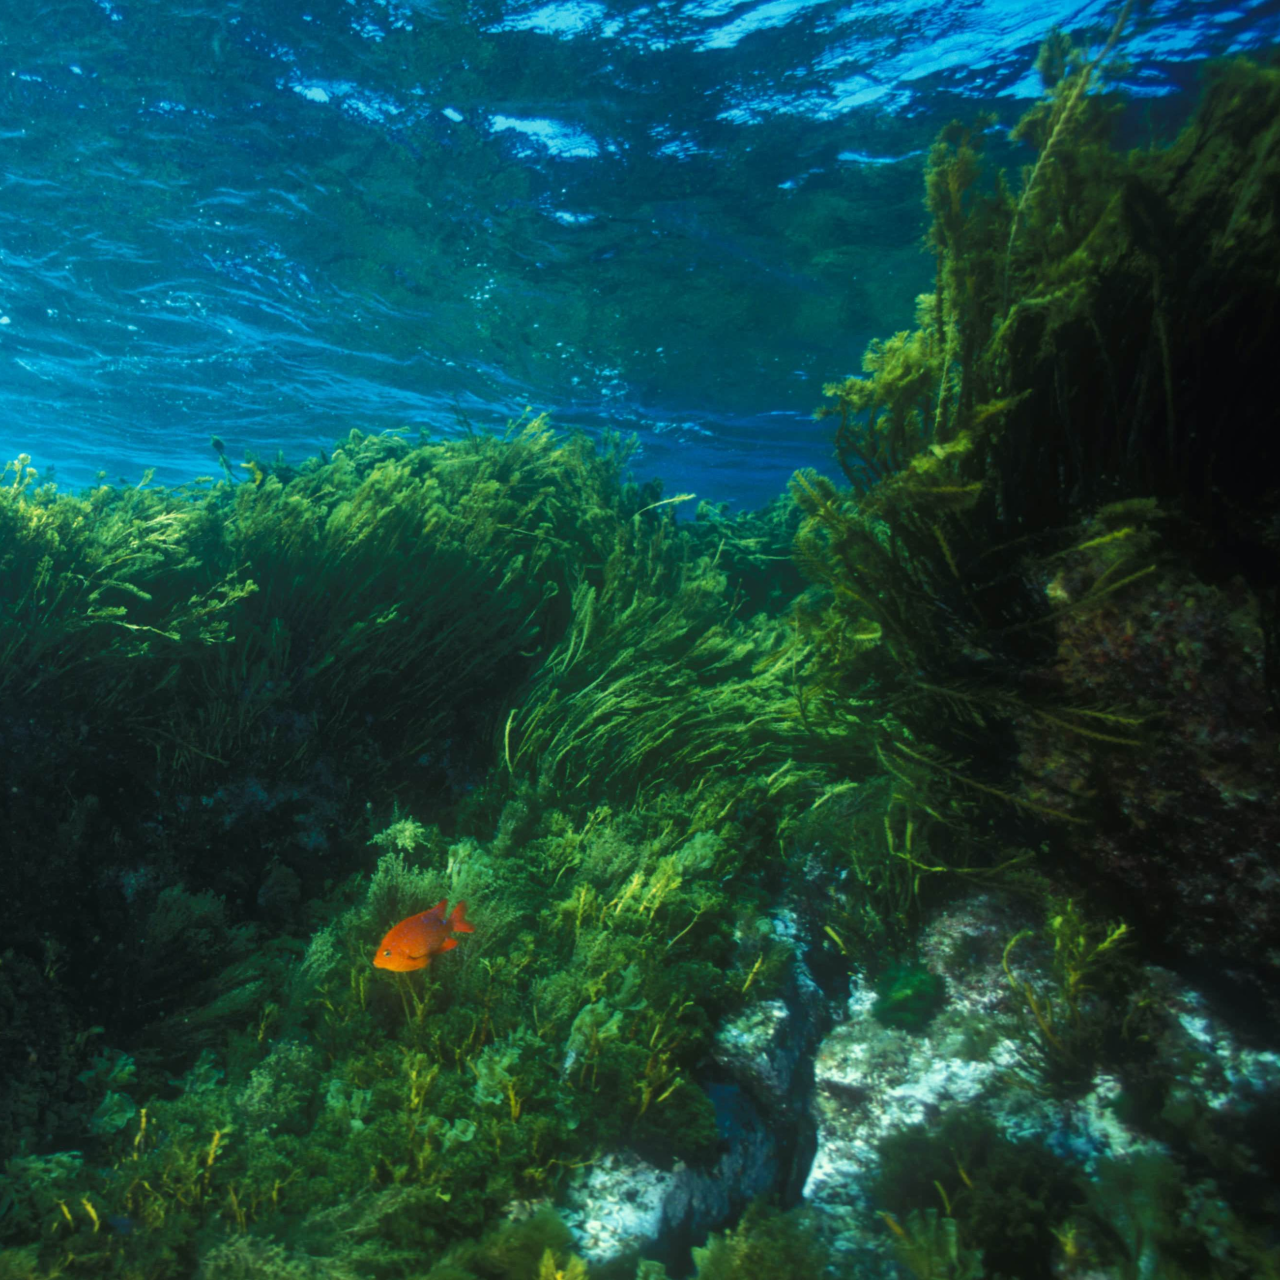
x,y
412,943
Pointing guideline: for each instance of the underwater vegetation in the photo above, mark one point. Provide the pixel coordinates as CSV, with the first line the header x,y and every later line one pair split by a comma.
x,y
765,1242
1080,1004
214,905
252,726
907,996
1004,1199
367,1114
998,1208
1055,492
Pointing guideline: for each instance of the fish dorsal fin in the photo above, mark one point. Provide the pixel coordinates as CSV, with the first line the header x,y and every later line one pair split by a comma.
x,y
439,909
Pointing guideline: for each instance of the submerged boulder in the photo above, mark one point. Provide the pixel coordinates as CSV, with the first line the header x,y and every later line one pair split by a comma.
x,y
975,1099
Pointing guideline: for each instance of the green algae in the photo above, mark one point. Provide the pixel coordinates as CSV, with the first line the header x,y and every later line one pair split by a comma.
x,y
391,599
907,997
1044,401
1006,1200
928,1245
1091,993
765,1243
421,1105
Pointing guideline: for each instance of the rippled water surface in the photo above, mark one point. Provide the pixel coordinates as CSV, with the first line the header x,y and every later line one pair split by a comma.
x,y
274,220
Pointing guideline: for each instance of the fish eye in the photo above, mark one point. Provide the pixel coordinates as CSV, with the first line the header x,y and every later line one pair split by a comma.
x,y
386,953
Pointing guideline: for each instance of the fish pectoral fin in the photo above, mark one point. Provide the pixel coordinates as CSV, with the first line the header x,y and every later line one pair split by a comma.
x,y
448,944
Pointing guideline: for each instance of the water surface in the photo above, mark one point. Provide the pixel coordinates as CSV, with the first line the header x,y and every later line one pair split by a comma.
x,y
274,220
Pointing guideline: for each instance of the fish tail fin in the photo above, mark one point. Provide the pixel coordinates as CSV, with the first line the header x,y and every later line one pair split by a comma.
x,y
458,919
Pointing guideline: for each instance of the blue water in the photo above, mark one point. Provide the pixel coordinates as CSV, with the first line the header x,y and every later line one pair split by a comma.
x,y
276,220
